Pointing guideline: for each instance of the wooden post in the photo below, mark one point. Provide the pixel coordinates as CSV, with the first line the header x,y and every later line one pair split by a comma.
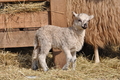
x,y
59,58
58,18
58,13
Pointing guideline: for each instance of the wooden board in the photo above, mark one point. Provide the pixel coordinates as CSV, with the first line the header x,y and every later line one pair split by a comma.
x,y
19,0
24,20
16,39
58,18
58,13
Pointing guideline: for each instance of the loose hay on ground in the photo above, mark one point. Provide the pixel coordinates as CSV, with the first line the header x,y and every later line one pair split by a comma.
x,y
17,66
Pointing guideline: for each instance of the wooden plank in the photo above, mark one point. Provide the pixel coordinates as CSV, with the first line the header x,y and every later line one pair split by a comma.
x,y
58,13
19,0
16,39
58,18
24,20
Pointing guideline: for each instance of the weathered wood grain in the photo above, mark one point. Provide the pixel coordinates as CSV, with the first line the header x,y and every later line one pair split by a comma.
x,y
58,13
24,20
16,39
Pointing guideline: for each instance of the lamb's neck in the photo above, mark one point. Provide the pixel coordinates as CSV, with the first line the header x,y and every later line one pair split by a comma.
x,y
78,32
79,35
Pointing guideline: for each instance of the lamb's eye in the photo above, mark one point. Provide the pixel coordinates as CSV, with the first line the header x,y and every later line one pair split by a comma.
x,y
79,20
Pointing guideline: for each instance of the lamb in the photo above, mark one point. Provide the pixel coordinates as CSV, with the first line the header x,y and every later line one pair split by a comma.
x,y
69,40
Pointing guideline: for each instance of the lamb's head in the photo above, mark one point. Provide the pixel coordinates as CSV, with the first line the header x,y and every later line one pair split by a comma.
x,y
81,20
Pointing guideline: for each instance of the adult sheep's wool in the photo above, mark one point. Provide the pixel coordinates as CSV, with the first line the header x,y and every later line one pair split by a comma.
x,y
104,29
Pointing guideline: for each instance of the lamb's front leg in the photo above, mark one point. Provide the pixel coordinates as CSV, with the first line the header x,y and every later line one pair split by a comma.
x,y
68,59
73,60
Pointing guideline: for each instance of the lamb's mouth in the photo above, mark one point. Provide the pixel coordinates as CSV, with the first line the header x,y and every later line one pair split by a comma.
x,y
84,27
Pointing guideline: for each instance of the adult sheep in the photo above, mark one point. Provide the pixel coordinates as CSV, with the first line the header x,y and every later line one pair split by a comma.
x,y
69,40
105,28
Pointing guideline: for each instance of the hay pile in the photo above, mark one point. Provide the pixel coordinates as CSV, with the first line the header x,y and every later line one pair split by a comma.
x,y
14,59
16,65
18,7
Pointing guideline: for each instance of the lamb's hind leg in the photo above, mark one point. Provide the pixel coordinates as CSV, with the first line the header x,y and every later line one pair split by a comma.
x,y
35,58
42,56
68,59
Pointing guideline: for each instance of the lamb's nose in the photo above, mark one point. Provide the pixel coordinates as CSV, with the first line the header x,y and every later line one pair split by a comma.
x,y
84,26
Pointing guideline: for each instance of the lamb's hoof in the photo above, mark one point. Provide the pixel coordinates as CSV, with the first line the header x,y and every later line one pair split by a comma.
x,y
34,67
45,70
34,64
64,68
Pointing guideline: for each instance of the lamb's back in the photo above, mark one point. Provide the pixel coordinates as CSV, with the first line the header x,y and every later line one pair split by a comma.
x,y
58,37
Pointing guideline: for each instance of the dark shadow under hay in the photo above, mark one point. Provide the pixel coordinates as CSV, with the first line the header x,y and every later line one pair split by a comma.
x,y
108,51
22,50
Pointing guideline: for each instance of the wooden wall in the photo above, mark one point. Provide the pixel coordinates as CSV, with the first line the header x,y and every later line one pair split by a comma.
x,y
24,38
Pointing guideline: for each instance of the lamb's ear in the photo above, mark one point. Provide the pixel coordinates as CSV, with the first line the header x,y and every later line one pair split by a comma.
x,y
75,14
90,17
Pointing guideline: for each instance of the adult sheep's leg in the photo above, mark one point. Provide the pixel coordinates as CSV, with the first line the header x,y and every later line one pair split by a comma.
x,y
97,60
35,58
73,60
42,56
68,59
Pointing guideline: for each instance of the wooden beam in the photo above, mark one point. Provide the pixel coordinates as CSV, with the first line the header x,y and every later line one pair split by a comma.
x,y
58,18
19,0
24,20
16,39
